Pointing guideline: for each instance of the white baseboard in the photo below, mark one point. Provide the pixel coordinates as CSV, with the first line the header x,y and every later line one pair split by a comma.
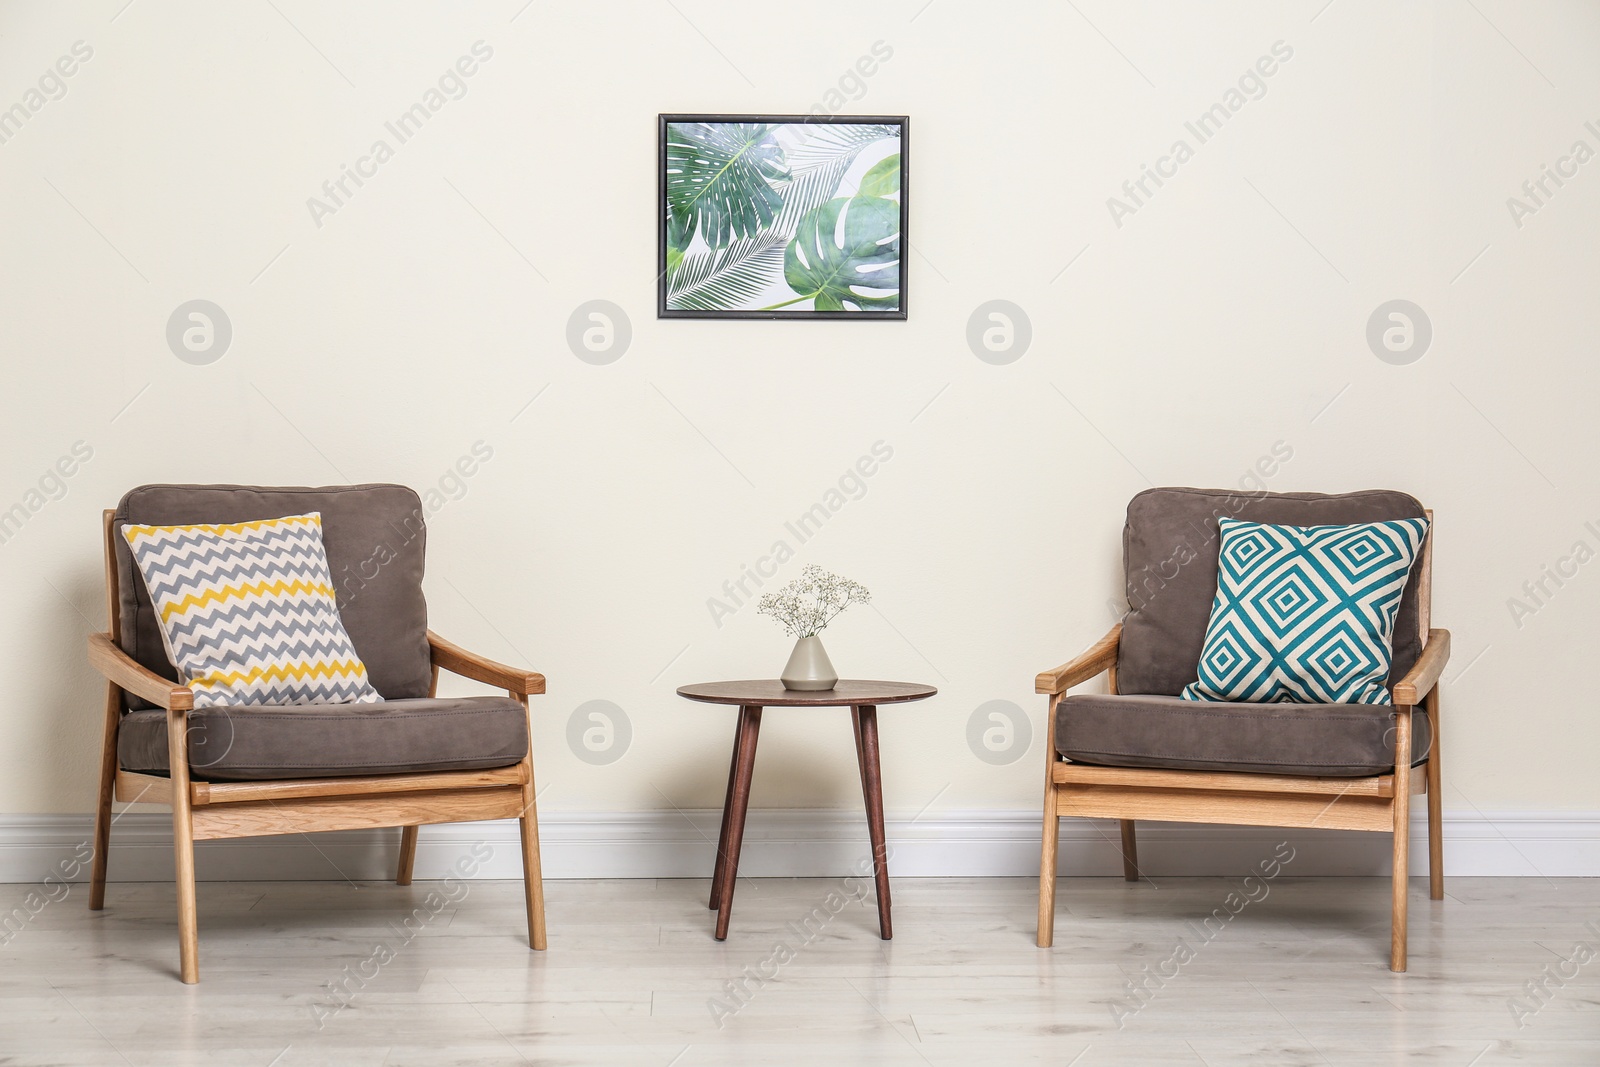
x,y
792,842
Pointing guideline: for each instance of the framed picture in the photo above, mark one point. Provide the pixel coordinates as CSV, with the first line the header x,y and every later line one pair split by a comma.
x,y
782,217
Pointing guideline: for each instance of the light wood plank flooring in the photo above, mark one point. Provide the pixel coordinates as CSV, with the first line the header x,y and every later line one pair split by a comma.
x,y
297,973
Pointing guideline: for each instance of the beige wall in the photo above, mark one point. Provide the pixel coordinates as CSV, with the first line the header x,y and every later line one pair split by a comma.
x,y
1222,318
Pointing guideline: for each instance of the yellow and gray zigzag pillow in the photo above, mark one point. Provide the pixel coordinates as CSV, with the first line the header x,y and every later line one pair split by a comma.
x,y
248,613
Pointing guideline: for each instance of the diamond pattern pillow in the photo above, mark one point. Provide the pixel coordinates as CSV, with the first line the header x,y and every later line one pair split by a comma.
x,y
248,614
1305,614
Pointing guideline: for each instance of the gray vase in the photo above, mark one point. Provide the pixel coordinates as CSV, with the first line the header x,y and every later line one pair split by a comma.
x,y
809,668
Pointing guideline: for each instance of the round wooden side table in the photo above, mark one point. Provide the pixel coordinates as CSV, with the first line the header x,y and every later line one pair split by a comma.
x,y
862,698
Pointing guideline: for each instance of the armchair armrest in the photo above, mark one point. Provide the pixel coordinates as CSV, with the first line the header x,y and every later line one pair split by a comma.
x,y
1102,656
1424,674
457,660
120,669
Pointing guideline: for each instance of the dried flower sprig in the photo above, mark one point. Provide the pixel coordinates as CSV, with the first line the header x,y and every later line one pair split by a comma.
x,y
806,605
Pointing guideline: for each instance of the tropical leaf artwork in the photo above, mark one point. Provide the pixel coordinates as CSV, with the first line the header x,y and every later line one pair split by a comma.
x,y
847,252
782,216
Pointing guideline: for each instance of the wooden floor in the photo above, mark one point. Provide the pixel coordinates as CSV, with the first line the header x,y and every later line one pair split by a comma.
x,y
633,976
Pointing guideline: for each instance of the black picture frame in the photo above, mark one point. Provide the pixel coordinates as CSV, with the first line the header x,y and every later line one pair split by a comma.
x,y
897,315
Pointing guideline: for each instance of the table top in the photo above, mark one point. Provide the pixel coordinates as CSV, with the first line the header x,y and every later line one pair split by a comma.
x,y
770,693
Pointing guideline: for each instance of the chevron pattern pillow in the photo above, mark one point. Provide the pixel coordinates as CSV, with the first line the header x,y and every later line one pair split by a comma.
x,y
1305,614
248,613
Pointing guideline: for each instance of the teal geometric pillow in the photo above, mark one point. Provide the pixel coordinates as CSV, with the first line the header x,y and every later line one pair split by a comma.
x,y
1305,614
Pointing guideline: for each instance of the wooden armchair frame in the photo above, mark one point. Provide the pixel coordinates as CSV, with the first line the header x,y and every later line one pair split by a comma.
x,y
1377,803
209,810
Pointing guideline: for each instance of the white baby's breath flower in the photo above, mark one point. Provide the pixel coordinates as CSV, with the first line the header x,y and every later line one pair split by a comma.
x,y
806,605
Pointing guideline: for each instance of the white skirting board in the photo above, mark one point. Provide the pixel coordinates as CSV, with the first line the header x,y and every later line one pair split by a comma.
x,y
792,842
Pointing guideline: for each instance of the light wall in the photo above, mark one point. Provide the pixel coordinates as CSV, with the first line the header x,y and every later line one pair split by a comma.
x,y
1221,320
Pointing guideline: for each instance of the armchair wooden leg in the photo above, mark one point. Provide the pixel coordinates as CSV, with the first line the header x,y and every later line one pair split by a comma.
x,y
533,879
183,847
1130,852
102,811
408,855
1047,869
1435,804
188,917
1049,833
532,872
1402,841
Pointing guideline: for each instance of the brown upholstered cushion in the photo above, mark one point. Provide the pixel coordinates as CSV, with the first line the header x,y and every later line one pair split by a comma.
x,y
1326,740
334,740
1169,551
374,537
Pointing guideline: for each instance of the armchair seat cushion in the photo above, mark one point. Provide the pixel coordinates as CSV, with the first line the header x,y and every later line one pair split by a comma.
x,y
334,740
1320,740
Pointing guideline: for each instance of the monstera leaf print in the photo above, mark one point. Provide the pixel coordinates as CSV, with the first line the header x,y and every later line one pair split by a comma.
x,y
847,255
718,177
727,277
753,191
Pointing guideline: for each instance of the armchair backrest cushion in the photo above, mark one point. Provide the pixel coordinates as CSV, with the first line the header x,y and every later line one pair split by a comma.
x,y
375,538
1170,547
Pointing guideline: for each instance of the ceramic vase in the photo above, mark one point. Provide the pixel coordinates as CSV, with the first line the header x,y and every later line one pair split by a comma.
x,y
809,668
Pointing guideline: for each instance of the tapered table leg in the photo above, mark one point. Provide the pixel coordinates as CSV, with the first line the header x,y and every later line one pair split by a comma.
x,y
727,808
866,723
739,802
855,731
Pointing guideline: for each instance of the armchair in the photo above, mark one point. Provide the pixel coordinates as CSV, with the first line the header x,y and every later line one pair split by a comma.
x,y
415,758
1138,752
